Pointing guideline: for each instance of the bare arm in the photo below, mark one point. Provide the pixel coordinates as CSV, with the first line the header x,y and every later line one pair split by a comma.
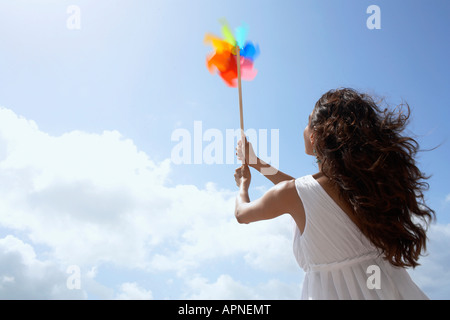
x,y
270,172
280,199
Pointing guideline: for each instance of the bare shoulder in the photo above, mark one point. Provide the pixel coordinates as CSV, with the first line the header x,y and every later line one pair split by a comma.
x,y
285,188
292,202
287,192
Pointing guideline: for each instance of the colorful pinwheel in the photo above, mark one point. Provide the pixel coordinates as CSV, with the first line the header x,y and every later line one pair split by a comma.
x,y
233,59
224,59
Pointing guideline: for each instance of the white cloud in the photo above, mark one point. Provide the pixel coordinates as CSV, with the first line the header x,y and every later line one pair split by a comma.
x,y
226,288
433,275
92,198
23,276
132,291
87,199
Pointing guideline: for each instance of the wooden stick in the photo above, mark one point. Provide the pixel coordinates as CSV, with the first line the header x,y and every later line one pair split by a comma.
x,y
241,109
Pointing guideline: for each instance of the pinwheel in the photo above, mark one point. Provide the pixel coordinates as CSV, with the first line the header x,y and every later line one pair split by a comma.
x,y
233,58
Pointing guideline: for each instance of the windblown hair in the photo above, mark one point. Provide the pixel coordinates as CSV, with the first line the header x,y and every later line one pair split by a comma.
x,y
363,152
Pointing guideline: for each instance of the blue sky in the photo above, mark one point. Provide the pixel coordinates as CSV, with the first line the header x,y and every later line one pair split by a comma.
x,y
133,74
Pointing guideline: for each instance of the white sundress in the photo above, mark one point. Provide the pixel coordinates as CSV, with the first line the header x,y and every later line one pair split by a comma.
x,y
338,260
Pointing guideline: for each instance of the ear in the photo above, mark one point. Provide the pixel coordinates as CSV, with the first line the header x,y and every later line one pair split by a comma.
x,y
312,138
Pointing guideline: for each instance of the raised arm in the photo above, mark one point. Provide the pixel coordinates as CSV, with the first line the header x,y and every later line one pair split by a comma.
x,y
280,199
270,172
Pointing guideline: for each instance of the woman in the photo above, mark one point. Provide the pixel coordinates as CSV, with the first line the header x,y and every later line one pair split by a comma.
x,y
358,217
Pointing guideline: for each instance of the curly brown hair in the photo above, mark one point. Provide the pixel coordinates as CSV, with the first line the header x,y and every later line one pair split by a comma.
x,y
363,152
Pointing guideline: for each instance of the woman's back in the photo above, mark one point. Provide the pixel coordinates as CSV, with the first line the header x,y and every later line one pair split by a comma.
x,y
363,221
339,261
